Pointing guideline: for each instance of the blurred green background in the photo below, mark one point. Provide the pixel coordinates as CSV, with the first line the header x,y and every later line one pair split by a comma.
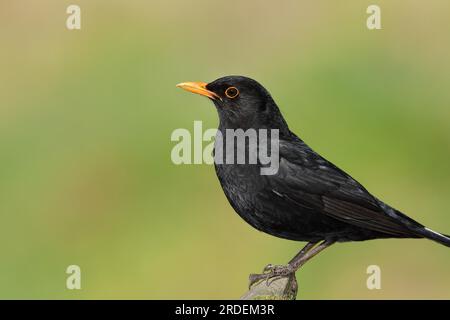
x,y
86,117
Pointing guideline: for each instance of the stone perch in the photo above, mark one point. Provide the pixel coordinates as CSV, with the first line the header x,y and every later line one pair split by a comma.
x,y
282,288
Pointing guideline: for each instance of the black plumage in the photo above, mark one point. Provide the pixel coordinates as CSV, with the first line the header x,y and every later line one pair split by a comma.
x,y
309,198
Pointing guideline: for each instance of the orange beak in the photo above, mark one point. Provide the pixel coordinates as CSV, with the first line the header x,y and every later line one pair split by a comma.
x,y
198,88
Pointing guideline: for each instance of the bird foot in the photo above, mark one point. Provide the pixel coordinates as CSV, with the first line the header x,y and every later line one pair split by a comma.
x,y
271,272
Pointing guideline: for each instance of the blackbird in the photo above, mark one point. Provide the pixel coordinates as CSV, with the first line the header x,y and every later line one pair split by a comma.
x,y
308,198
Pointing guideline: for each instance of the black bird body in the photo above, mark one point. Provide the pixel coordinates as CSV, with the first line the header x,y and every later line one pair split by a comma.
x,y
309,198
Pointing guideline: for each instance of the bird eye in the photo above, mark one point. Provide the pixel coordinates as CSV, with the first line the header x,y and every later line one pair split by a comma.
x,y
232,92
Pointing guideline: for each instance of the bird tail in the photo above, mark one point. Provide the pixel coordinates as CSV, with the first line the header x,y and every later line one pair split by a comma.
x,y
435,236
416,228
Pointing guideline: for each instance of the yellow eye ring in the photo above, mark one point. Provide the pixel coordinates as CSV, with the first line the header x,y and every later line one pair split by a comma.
x,y
232,92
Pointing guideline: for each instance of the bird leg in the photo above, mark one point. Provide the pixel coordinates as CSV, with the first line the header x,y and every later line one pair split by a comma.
x,y
275,271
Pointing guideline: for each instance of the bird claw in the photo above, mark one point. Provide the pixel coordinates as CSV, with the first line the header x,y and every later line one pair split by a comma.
x,y
268,268
255,278
270,274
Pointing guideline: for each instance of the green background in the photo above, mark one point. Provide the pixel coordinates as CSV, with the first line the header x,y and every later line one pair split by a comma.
x,y
86,117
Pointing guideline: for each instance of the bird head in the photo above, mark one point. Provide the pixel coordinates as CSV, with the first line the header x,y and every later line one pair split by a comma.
x,y
241,102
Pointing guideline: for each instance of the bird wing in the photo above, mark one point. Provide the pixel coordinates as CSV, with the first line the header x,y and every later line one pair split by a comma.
x,y
308,180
